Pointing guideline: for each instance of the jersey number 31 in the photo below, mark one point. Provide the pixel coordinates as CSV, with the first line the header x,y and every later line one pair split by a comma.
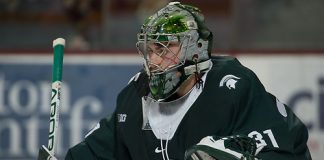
x,y
259,138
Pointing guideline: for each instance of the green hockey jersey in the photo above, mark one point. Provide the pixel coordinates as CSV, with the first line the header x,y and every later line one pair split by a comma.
x,y
233,101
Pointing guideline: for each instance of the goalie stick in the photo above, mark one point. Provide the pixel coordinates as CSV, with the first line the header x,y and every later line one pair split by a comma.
x,y
48,153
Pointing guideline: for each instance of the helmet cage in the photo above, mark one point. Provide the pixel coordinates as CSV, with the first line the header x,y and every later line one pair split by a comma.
x,y
163,41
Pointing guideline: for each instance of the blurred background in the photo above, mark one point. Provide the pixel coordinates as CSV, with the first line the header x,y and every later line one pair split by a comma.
x,y
113,25
281,40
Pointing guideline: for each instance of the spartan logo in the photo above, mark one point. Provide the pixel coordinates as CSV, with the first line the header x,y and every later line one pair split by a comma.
x,y
229,81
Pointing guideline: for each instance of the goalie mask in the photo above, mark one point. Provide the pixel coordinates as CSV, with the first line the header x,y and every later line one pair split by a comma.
x,y
174,43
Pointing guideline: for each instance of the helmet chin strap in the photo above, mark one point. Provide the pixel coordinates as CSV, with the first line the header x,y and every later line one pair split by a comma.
x,y
198,68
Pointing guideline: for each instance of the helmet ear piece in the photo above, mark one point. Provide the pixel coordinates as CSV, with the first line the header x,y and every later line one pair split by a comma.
x,y
202,46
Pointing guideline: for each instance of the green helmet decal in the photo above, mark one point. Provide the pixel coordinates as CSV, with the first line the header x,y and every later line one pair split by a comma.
x,y
157,85
171,24
167,26
175,23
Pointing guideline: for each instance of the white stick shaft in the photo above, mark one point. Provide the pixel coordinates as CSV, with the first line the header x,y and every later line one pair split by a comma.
x,y
54,116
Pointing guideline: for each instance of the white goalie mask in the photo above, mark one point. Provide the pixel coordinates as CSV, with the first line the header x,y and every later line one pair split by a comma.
x,y
174,43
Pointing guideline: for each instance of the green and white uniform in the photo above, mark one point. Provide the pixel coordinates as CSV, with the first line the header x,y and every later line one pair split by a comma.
x,y
232,101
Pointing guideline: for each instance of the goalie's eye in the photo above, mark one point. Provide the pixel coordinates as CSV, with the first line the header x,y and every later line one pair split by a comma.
x,y
159,45
157,48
